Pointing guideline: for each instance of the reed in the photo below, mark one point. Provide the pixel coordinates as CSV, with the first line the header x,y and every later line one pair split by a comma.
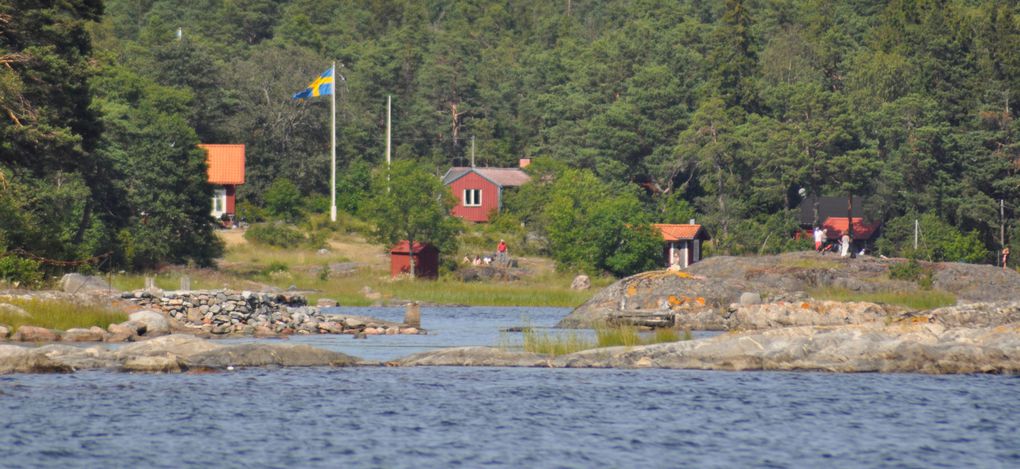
x,y
62,315
562,343
916,299
555,343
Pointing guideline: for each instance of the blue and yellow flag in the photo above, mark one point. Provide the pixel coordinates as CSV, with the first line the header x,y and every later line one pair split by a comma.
x,y
322,86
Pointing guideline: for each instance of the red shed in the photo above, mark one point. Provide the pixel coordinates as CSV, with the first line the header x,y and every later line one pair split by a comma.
x,y
426,260
226,172
479,191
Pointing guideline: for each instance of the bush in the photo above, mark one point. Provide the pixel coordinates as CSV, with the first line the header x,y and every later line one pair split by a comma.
x,y
275,266
912,271
283,200
274,234
24,271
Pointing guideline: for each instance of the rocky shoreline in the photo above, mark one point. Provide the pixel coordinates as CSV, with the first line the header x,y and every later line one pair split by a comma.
x,y
167,354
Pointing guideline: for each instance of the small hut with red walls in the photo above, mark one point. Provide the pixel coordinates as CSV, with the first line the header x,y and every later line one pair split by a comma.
x,y
426,260
479,191
226,172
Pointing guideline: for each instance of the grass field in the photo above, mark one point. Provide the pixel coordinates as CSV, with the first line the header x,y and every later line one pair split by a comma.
x,y
61,315
245,266
916,300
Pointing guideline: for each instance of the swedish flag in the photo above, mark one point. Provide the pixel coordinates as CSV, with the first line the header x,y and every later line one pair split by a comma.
x,y
322,86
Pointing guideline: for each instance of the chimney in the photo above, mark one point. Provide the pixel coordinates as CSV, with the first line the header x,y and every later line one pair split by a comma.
x,y
525,162
692,222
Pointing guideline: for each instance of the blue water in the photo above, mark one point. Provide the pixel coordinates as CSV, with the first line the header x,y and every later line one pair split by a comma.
x,y
505,417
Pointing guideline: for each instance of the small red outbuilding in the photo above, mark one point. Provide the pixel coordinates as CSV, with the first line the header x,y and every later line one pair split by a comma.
x,y
426,260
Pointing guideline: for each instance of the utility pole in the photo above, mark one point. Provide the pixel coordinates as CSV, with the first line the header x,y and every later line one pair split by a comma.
x,y
1002,225
917,228
472,151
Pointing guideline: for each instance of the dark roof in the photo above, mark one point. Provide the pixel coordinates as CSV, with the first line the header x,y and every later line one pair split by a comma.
x,y
828,207
503,177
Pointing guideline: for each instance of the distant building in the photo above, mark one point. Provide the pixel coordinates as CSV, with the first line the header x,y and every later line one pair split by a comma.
x,y
864,233
426,260
479,191
827,207
226,172
681,243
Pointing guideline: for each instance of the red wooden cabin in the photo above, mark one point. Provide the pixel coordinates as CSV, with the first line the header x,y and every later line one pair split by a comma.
x,y
479,191
426,260
226,172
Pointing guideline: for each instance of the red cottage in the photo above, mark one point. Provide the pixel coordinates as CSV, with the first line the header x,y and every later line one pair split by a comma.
x,y
226,171
479,191
426,260
682,243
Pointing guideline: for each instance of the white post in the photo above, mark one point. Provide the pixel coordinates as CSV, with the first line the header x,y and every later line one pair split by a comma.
x,y
917,227
472,151
332,148
389,131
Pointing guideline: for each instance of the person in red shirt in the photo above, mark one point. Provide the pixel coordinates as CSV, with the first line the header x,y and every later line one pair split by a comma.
x,y
501,251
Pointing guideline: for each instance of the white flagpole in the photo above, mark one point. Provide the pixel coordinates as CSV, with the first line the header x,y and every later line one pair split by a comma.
x,y
332,147
388,131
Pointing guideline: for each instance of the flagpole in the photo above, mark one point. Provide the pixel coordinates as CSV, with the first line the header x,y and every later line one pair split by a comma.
x,y
332,148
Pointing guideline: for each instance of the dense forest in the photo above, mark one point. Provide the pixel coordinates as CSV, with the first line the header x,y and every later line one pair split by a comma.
x,y
663,110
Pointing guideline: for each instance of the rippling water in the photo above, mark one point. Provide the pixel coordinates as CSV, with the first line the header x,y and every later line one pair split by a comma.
x,y
471,417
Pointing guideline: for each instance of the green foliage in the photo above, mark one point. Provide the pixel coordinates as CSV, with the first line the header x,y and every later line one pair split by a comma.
x,y
411,204
274,267
60,315
938,240
910,271
26,272
916,300
274,234
283,200
592,229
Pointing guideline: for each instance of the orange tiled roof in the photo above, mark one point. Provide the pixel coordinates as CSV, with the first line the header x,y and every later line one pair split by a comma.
x,y
226,162
835,226
677,232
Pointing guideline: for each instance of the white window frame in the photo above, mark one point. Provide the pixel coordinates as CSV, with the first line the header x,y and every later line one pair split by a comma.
x,y
219,202
467,198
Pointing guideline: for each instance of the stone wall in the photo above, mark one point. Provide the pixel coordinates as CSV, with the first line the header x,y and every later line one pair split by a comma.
x,y
250,313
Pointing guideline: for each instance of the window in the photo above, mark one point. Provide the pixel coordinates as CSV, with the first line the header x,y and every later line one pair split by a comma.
x,y
219,201
472,197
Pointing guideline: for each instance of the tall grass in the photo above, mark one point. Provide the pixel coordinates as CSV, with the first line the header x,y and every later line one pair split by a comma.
x,y
562,343
62,315
917,299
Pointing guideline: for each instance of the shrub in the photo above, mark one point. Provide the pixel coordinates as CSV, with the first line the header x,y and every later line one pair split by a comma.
x,y
24,271
275,234
274,267
283,200
909,271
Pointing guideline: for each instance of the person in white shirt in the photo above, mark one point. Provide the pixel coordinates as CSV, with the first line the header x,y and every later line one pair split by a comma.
x,y
819,238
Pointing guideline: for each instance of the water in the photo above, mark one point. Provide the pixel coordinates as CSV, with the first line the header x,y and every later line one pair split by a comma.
x,y
527,417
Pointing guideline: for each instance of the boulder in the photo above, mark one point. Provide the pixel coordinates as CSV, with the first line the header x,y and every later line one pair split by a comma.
x,y
168,363
581,282
270,355
93,334
750,298
35,334
13,310
487,273
181,345
474,356
155,324
121,332
4,332
326,303
14,359
78,283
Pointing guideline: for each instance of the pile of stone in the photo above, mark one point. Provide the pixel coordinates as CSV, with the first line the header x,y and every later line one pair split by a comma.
x,y
223,312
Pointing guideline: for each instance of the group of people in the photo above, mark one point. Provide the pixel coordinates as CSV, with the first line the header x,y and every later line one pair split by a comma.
x,y
823,244
500,257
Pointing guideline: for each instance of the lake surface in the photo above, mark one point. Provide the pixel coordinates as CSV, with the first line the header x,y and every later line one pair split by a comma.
x,y
473,417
